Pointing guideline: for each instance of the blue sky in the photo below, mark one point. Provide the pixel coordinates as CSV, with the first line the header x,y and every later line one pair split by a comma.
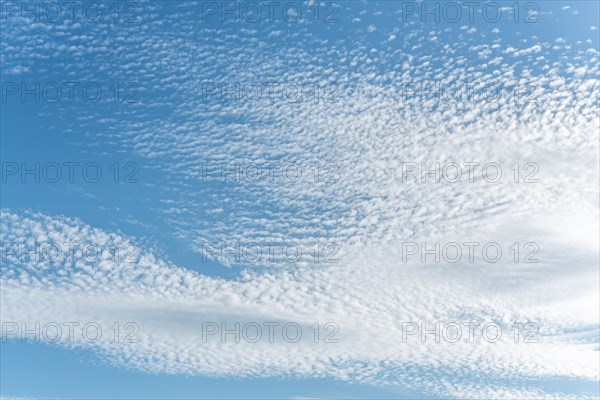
x,y
378,67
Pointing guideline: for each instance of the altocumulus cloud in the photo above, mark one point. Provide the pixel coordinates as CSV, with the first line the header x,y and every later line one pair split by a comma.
x,y
379,112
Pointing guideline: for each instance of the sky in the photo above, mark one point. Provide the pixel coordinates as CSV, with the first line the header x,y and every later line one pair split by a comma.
x,y
299,199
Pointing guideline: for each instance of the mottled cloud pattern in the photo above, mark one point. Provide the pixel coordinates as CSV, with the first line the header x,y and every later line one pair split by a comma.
x,y
378,111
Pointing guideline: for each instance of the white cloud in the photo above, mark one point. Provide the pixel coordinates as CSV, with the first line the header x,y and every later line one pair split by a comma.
x,y
371,128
